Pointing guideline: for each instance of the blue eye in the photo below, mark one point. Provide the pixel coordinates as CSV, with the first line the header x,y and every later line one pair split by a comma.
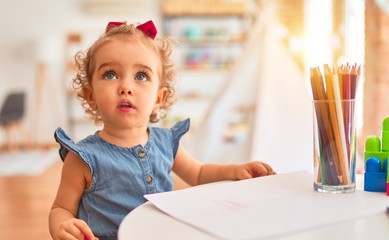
x,y
110,75
141,76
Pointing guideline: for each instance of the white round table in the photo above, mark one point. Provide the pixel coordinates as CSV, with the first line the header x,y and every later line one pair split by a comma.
x,y
148,222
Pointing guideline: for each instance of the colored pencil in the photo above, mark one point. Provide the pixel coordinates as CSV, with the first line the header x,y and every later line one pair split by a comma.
x,y
333,98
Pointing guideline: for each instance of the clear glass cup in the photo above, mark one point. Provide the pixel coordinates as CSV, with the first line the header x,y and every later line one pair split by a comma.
x,y
334,145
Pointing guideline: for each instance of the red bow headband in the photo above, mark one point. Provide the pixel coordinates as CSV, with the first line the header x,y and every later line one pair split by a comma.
x,y
147,28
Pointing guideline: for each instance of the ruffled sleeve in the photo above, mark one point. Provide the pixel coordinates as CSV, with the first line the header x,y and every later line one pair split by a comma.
x,y
179,129
67,144
64,141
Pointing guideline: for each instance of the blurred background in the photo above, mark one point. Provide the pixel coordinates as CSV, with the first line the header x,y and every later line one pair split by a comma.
x,y
243,68
243,79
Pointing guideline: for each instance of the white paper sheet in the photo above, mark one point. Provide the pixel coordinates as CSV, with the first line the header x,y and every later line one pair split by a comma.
x,y
265,207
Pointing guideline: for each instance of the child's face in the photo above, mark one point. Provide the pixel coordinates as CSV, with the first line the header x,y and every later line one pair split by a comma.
x,y
125,83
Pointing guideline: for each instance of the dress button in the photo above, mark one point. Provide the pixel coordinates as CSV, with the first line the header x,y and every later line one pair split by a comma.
x,y
141,154
149,179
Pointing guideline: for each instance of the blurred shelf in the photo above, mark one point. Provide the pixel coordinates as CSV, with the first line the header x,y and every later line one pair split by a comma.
x,y
210,39
203,7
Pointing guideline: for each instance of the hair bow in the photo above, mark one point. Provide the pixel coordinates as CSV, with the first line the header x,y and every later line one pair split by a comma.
x,y
147,28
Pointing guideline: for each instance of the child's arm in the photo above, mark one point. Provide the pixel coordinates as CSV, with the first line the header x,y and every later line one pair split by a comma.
x,y
63,223
194,172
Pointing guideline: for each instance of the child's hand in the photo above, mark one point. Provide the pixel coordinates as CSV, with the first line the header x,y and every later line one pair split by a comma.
x,y
75,229
253,169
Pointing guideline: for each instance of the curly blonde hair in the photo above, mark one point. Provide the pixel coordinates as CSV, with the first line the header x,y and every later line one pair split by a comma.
x,y
85,65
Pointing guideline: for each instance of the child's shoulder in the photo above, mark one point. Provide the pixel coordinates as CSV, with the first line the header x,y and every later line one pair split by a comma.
x,y
182,126
179,126
175,131
62,137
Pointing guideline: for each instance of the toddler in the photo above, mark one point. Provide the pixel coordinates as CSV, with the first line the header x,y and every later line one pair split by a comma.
x,y
125,81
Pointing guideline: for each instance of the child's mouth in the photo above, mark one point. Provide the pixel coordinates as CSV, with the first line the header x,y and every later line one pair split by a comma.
x,y
125,106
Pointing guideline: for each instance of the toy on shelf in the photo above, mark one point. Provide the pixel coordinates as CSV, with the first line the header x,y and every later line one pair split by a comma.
x,y
376,161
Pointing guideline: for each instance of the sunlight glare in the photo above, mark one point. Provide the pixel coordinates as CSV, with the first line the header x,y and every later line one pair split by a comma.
x,y
318,32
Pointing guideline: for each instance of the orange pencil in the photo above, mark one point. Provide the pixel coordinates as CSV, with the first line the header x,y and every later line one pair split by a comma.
x,y
339,154
328,165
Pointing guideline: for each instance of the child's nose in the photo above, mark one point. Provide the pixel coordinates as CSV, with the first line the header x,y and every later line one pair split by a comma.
x,y
125,90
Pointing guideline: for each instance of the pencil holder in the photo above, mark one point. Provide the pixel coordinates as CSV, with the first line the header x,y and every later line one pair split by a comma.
x,y
334,139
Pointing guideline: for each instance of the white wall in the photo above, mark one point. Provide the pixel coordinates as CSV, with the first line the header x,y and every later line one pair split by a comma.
x,y
283,122
268,78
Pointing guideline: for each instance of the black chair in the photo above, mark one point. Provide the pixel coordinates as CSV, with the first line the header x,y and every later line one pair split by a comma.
x,y
11,116
13,109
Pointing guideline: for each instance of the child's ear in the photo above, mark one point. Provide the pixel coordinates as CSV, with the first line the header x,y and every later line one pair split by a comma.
x,y
88,95
162,96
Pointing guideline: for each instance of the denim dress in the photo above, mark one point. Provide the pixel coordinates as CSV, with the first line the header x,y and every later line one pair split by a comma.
x,y
121,176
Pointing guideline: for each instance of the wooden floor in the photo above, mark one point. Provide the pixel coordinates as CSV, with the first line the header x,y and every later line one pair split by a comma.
x,y
25,203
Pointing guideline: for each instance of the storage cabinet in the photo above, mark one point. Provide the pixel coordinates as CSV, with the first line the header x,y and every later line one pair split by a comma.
x,y
209,36
206,41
